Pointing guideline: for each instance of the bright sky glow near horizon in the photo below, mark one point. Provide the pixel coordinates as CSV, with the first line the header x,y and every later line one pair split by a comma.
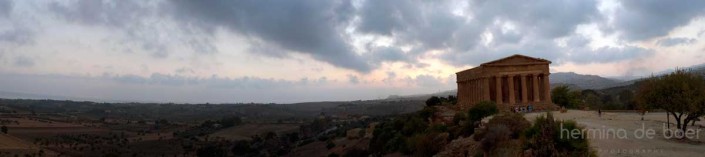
x,y
287,51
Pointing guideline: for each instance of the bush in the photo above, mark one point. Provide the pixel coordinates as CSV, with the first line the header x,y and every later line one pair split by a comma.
x,y
545,139
562,96
459,117
515,122
426,144
356,152
433,101
494,136
330,144
482,110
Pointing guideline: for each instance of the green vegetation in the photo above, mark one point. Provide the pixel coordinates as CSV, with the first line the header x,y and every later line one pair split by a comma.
x,y
500,131
412,134
544,138
482,110
681,94
434,100
563,96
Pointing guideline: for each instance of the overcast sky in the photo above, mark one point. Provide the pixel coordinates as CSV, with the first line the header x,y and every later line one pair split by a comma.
x,y
286,51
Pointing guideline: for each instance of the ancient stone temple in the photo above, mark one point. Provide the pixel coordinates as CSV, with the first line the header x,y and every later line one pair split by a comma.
x,y
516,83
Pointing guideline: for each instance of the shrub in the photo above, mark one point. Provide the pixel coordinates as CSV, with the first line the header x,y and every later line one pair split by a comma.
x,y
356,152
515,122
330,144
459,117
482,110
433,101
426,144
546,141
494,136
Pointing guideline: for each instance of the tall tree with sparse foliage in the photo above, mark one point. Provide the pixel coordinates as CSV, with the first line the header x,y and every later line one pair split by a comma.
x,y
681,94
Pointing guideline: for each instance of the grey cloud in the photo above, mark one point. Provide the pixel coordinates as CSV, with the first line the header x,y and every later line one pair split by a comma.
x,y
537,48
23,61
428,23
17,35
310,27
383,17
668,42
5,7
212,82
141,22
546,18
353,79
646,19
432,25
607,54
96,12
384,54
427,81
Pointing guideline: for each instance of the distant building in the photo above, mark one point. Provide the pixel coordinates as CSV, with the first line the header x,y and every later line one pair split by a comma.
x,y
516,83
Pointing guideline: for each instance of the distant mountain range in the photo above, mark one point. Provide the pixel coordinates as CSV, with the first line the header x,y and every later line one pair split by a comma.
x,y
582,81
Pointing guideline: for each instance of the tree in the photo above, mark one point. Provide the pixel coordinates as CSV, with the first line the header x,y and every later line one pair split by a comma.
x,y
3,129
433,101
626,97
591,99
562,96
681,94
482,110
452,99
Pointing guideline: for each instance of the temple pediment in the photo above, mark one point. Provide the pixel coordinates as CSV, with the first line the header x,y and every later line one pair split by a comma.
x,y
517,60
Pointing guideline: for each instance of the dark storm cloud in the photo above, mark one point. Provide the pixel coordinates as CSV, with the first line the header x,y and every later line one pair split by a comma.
x,y
433,25
322,29
668,42
311,27
427,23
387,54
646,19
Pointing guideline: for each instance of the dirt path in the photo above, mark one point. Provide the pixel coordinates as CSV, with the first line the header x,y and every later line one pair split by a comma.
x,y
617,134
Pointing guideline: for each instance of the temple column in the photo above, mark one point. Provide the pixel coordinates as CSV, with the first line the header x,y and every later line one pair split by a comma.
x,y
476,84
524,98
510,85
485,89
499,89
477,90
472,93
547,87
535,80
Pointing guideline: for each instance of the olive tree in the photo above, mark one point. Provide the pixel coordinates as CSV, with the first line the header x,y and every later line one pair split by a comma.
x,y
681,94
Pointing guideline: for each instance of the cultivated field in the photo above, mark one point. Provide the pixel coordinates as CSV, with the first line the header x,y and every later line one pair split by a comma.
x,y
15,145
613,144
246,131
